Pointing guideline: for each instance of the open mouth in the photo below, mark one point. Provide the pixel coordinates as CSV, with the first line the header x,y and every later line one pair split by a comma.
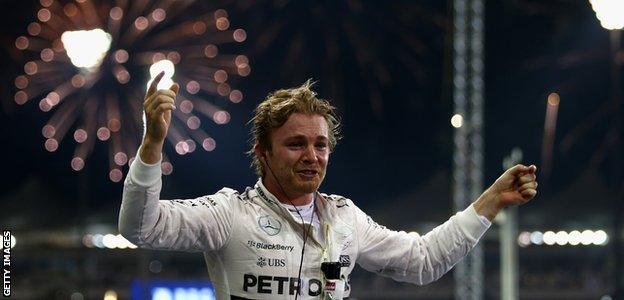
x,y
307,173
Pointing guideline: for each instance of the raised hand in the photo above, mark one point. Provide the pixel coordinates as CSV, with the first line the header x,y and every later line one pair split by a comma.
x,y
158,105
516,186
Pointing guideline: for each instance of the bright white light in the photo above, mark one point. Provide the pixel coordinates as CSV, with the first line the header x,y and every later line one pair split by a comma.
x,y
457,120
156,68
97,240
13,241
574,238
161,293
86,49
122,243
600,237
561,238
587,237
537,238
110,295
609,12
164,84
109,241
549,238
162,65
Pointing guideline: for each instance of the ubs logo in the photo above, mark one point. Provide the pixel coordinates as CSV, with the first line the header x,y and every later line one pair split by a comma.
x,y
271,262
261,262
269,225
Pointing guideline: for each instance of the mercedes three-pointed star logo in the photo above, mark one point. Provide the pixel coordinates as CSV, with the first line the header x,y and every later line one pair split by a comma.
x,y
269,225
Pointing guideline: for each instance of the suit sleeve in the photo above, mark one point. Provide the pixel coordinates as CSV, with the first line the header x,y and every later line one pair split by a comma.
x,y
194,225
410,257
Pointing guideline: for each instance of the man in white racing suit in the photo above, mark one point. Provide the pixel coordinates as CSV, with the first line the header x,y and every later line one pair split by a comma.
x,y
269,241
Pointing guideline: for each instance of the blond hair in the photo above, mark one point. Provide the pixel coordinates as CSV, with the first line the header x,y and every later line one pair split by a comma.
x,y
274,111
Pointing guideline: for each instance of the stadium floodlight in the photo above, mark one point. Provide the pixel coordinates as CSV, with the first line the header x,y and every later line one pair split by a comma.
x,y
86,48
610,13
457,120
600,238
549,238
563,238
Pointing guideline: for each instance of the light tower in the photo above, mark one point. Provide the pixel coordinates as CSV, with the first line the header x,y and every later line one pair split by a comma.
x,y
468,87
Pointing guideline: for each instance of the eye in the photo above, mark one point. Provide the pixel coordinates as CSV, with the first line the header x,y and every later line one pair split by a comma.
x,y
295,145
321,146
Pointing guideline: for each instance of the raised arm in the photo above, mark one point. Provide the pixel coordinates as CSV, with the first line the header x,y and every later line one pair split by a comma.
x,y
158,105
201,224
411,257
422,259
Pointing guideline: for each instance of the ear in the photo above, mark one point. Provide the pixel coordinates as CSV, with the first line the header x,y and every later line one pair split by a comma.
x,y
259,150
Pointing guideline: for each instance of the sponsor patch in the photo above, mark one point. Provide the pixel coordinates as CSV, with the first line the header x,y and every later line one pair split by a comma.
x,y
345,260
266,246
264,196
271,262
261,262
203,201
269,225
342,202
374,224
266,284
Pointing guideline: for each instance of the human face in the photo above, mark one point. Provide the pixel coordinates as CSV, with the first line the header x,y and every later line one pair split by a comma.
x,y
298,156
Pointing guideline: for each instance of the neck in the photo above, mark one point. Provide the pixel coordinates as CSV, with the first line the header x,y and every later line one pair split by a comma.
x,y
287,197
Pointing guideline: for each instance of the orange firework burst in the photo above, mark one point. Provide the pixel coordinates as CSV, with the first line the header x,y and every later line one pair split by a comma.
x,y
87,63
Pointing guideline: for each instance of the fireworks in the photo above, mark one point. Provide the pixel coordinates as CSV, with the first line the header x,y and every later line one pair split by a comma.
x,y
88,62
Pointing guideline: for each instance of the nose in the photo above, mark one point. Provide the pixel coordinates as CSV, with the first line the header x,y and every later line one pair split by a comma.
x,y
309,156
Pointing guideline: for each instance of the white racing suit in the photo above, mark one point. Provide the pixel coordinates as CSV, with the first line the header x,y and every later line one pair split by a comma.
x,y
252,245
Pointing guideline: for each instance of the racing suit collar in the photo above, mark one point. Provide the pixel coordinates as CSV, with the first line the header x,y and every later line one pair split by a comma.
x,y
274,204
264,193
268,196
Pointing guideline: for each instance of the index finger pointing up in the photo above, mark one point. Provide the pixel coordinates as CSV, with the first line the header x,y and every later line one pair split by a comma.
x,y
154,85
